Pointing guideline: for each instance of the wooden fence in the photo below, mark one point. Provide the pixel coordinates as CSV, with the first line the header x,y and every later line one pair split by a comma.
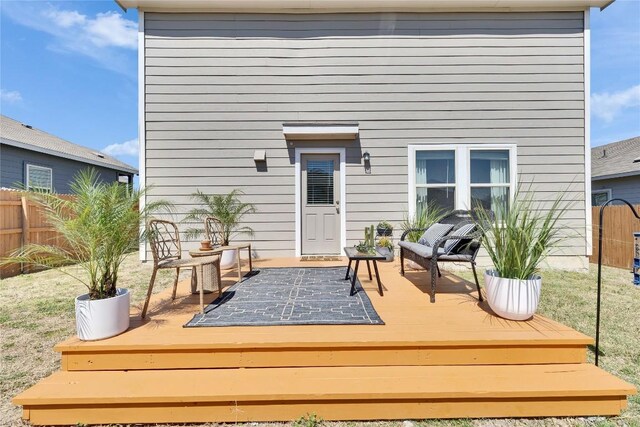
x,y
21,222
617,243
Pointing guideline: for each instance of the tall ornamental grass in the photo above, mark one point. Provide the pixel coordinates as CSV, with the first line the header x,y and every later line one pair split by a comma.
x,y
522,234
420,221
97,227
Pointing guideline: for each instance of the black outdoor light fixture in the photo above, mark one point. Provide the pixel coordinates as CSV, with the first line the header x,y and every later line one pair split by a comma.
x,y
637,215
367,164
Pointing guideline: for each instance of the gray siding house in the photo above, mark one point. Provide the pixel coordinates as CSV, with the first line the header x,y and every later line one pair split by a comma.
x,y
35,159
615,171
359,111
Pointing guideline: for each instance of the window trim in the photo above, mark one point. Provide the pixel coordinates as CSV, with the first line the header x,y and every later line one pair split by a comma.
x,y
601,190
28,167
463,169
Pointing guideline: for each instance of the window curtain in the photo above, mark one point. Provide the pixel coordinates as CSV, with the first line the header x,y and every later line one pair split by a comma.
x,y
421,178
499,174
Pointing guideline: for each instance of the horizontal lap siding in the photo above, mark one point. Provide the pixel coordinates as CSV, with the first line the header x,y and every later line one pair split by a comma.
x,y
220,86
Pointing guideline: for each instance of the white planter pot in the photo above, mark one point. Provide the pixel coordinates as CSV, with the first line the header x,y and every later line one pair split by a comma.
x,y
512,299
386,252
228,259
104,318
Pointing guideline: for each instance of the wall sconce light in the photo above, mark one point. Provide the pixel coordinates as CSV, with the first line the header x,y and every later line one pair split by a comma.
x,y
367,164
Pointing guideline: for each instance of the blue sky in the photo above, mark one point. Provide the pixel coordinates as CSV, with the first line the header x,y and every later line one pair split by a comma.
x,y
70,68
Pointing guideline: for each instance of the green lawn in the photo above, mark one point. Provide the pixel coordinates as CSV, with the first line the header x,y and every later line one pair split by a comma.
x,y
36,312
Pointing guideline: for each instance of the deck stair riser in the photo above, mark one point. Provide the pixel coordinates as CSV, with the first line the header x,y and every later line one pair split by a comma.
x,y
203,358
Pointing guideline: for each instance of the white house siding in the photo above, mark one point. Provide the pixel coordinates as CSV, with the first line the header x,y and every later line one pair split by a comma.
x,y
219,86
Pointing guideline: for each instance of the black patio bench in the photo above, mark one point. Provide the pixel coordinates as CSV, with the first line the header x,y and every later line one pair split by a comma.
x,y
458,244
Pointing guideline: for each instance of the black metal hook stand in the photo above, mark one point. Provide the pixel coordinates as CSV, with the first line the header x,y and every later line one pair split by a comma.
x,y
637,215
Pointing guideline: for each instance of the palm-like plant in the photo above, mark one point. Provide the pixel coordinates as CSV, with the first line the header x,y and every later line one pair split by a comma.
x,y
97,227
227,208
420,221
521,235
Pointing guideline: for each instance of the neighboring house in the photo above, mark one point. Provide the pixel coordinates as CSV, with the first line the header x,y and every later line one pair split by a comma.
x,y
332,116
615,171
38,160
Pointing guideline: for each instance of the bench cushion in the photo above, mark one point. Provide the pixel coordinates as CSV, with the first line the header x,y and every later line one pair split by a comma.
x,y
426,252
434,233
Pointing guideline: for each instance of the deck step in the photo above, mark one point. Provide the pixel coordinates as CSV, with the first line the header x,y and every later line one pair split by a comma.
x,y
168,356
333,393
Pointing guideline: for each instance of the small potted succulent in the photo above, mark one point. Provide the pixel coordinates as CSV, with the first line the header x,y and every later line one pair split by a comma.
x,y
384,228
385,247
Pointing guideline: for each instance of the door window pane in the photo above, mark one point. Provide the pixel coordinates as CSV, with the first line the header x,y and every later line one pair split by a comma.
x,y
489,166
443,197
320,182
435,167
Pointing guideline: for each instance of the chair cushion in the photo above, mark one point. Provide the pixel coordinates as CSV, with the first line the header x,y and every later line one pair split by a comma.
x,y
434,233
452,244
427,251
423,251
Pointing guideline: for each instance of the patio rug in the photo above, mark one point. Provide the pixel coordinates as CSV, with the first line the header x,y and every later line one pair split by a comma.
x,y
290,296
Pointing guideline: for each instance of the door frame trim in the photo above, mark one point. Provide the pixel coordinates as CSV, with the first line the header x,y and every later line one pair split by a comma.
x,y
342,151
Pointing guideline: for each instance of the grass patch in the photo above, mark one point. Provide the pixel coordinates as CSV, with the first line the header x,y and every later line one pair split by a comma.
x,y
37,311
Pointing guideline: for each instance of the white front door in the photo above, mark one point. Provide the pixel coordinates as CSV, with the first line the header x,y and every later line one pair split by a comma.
x,y
320,204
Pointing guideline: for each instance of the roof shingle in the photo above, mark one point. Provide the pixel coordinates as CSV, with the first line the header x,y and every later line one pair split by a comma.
x,y
616,159
37,140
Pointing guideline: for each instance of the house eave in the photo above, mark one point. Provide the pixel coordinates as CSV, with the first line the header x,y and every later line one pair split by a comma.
x,y
615,175
42,150
330,6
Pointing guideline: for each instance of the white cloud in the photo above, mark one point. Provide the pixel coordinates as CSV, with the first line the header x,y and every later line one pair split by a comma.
x,y
65,18
10,96
607,106
110,29
107,38
127,148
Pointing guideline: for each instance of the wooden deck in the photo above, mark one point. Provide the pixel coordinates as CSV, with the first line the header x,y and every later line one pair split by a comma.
x,y
453,358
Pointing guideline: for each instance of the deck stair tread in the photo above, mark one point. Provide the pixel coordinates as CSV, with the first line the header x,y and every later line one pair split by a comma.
x,y
324,383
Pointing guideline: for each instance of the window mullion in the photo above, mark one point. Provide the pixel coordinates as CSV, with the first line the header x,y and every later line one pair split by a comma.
x,y
463,179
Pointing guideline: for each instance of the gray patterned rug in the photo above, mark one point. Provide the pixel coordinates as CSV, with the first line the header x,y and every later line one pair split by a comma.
x,y
290,296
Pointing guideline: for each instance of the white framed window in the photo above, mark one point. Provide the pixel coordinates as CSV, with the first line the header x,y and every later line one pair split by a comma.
x,y
461,176
600,197
39,178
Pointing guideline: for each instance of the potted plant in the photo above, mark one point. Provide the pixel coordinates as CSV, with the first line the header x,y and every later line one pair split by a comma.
x,y
97,227
416,225
517,239
229,210
385,247
384,228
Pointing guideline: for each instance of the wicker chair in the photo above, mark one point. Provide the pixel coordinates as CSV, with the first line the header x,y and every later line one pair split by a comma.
x,y
213,229
167,253
429,257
